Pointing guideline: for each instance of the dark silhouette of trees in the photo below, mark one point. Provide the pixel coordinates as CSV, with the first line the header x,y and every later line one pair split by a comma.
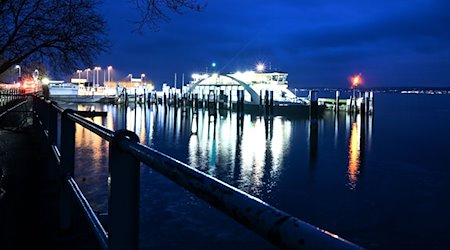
x,y
67,34
63,34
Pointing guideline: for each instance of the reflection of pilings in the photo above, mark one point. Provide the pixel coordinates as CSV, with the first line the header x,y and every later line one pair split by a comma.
x,y
336,106
313,126
271,102
231,100
204,100
239,125
260,97
240,102
194,128
164,101
369,131
175,121
135,116
222,100
366,102
175,100
212,104
363,125
268,122
165,118
145,96
268,102
336,128
212,120
195,104
371,102
313,141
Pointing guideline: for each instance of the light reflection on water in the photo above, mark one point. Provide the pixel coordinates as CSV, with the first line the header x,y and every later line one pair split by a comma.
x,y
354,153
250,154
246,155
338,173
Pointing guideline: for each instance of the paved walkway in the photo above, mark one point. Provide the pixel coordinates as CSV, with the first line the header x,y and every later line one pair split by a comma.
x,y
28,201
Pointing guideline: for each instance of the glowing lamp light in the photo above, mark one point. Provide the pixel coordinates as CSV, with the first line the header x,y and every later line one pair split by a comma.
x,y
45,81
356,80
260,67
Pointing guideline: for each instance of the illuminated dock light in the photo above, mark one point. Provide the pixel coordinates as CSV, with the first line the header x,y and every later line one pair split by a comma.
x,y
260,67
356,80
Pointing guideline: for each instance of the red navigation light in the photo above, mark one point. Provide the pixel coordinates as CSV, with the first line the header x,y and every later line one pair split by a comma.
x,y
356,80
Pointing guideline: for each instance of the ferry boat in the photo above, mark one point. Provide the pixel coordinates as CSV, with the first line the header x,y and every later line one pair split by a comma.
x,y
257,85
260,89
76,92
61,88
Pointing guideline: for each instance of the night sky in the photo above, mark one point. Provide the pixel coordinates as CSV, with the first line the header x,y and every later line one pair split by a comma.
x,y
319,43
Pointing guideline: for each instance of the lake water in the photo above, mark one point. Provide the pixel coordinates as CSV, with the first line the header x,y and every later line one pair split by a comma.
x,y
382,182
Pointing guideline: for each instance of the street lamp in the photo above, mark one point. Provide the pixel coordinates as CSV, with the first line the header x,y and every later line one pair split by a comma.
x,y
97,69
20,72
79,73
35,75
87,74
142,77
109,73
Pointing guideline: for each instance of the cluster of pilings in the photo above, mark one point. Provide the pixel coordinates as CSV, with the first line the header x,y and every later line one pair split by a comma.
x,y
214,101
359,102
266,101
218,100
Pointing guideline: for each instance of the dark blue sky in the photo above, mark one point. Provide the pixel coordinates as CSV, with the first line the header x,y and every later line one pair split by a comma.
x,y
319,43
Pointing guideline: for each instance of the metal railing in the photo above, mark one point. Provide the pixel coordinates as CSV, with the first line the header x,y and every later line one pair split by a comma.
x,y
8,94
125,156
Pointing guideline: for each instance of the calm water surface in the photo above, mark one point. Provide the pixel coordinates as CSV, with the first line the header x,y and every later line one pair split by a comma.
x,y
381,182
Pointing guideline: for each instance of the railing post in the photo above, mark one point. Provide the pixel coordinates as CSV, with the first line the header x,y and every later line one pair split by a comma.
x,y
67,167
35,112
123,207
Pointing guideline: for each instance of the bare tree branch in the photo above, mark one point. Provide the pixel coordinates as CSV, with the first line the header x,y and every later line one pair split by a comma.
x,y
152,12
65,34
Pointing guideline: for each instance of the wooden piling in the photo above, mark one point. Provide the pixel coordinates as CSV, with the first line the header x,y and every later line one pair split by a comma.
x,y
266,102
362,106
313,104
336,105
165,100
371,103
271,102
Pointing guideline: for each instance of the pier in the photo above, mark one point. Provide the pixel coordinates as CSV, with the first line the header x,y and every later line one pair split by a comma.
x,y
53,179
